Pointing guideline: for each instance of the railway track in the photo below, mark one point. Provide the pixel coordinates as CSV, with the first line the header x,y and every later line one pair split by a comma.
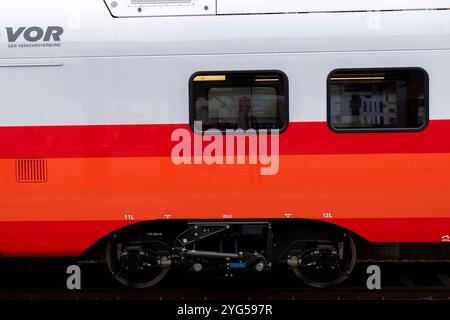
x,y
44,280
204,294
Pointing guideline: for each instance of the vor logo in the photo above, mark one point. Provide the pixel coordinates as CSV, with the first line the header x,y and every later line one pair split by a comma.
x,y
34,34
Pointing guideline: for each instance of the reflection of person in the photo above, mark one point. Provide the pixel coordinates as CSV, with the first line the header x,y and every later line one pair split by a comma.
x,y
202,111
203,114
355,105
244,113
414,112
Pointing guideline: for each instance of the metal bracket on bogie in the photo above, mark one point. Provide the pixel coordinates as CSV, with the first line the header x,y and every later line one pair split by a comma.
x,y
184,247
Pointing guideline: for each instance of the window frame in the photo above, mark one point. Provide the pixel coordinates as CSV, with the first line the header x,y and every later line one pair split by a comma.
x,y
380,130
285,80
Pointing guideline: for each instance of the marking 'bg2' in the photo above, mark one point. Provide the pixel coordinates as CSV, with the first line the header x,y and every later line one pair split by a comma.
x,y
34,34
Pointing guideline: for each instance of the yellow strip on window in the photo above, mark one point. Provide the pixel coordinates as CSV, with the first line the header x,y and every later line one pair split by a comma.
x,y
210,78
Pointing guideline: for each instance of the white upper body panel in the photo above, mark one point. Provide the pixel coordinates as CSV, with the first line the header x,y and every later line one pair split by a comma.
x,y
106,70
90,30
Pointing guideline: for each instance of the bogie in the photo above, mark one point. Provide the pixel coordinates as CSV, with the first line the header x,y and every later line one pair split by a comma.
x,y
141,256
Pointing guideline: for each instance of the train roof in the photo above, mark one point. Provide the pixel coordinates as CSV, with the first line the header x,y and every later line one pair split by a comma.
x,y
273,6
135,8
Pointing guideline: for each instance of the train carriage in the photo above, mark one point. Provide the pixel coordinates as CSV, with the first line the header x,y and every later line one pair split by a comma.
x,y
222,135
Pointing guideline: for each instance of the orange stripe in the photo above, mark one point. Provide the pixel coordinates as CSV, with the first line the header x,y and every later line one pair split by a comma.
x,y
347,186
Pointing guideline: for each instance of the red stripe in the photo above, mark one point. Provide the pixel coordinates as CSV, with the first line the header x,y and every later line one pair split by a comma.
x,y
53,238
154,141
72,238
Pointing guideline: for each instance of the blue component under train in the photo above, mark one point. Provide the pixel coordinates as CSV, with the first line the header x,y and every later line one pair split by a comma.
x,y
237,265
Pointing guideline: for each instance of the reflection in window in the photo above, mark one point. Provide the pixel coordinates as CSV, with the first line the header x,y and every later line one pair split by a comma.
x,y
240,101
378,99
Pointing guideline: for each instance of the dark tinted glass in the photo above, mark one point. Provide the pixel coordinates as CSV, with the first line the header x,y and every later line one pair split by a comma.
x,y
233,100
378,99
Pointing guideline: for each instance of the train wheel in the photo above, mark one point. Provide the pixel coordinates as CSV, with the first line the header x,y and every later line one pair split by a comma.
x,y
138,264
328,266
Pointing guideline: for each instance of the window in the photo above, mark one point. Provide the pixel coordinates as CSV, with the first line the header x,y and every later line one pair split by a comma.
x,y
239,100
378,100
